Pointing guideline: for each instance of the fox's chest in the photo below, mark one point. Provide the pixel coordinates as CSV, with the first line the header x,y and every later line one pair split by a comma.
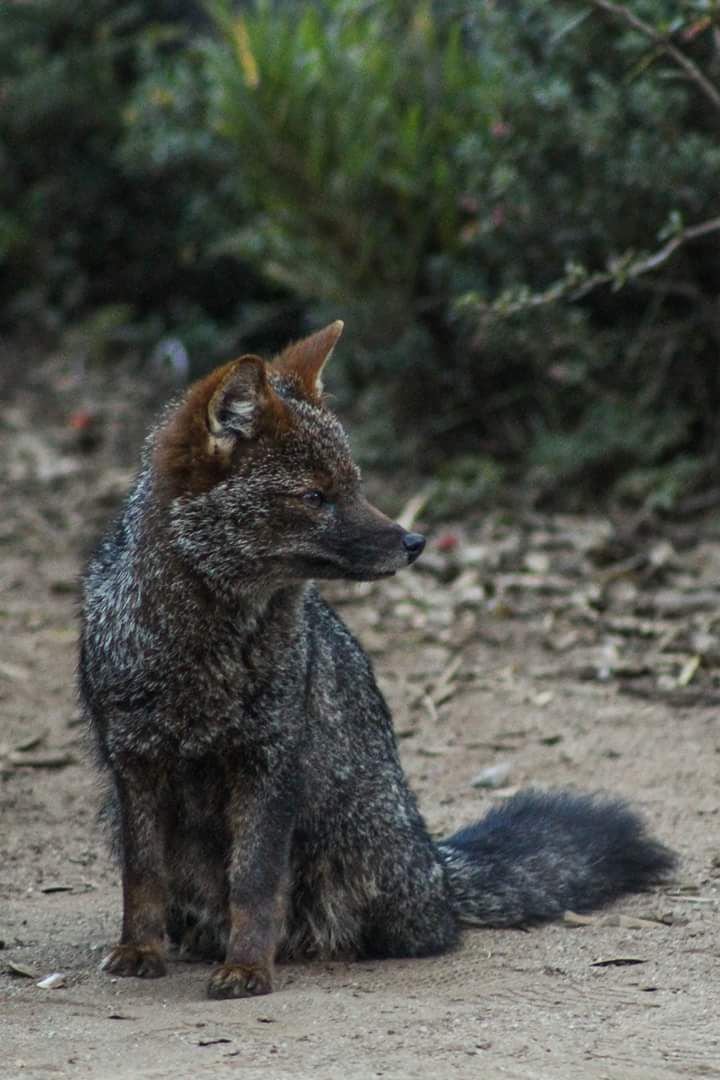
x,y
220,708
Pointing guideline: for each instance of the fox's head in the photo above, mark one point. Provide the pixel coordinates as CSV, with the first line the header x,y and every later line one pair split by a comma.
x,y
257,476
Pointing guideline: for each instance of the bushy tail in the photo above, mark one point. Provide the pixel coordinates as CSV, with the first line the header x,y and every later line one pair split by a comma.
x,y
538,855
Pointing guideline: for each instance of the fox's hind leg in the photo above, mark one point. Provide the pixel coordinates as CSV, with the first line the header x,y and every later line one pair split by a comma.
x,y
412,914
378,892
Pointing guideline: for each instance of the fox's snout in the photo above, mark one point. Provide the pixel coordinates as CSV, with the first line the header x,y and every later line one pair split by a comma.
x,y
369,544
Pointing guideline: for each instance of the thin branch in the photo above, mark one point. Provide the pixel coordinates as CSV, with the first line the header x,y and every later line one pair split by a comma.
x,y
691,70
661,256
622,269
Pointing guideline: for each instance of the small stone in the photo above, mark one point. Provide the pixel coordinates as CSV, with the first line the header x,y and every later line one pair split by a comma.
x,y
494,776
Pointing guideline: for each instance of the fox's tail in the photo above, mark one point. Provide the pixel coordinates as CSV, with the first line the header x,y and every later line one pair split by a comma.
x,y
538,855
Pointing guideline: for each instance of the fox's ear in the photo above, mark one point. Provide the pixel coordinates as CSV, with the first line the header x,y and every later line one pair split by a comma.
x,y
304,360
239,406
228,408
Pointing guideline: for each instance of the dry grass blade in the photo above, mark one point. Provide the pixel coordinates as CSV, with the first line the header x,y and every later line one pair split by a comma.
x,y
413,507
49,760
441,689
627,922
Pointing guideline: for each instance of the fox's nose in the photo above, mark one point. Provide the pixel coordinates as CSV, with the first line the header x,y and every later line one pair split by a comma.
x,y
413,544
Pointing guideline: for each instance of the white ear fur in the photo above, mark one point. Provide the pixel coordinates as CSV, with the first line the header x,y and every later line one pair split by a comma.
x,y
233,416
235,407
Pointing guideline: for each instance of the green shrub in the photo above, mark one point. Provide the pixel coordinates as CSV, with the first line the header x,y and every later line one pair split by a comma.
x,y
478,182
512,204
113,189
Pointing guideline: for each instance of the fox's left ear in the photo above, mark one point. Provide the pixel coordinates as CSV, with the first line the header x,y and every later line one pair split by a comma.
x,y
304,360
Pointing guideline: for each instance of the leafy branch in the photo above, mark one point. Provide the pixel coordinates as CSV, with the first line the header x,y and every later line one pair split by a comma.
x,y
577,283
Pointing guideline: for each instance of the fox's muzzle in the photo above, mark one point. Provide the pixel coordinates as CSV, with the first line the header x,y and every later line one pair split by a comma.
x,y
371,545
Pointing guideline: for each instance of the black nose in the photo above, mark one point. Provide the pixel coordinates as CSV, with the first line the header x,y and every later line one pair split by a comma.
x,y
413,544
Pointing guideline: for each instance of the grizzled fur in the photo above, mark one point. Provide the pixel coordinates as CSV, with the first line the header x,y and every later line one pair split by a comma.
x,y
254,782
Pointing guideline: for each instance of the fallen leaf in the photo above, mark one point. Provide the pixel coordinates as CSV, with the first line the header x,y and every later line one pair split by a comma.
x,y
538,562
627,922
688,671
31,741
49,760
618,961
432,751
665,918
635,922
543,698
20,969
14,672
571,918
673,604
692,899
429,704
562,643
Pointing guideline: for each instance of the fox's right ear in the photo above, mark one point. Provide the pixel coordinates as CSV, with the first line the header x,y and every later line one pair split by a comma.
x,y
240,406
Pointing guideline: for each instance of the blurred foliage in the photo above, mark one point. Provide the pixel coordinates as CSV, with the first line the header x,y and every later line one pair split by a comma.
x,y
512,204
112,186
464,483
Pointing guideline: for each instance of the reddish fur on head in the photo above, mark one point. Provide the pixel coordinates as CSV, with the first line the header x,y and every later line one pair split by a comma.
x,y
235,405
191,457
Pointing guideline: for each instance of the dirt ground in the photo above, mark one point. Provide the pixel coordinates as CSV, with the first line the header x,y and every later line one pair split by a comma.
x,y
568,651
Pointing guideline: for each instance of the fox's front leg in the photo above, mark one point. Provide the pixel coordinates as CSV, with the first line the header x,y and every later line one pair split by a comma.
x,y
141,950
261,826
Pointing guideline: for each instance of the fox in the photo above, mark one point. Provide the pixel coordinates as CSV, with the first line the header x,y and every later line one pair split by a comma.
x,y
254,789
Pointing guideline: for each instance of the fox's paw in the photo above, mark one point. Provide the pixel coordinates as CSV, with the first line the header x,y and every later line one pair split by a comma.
x,y
143,961
239,980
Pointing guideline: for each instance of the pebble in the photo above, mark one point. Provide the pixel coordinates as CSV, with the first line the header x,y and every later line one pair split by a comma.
x,y
494,776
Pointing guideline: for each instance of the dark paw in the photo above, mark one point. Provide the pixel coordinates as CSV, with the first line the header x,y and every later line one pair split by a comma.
x,y
238,981
144,961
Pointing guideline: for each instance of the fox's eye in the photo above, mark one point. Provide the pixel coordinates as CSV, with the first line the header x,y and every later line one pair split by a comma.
x,y
314,498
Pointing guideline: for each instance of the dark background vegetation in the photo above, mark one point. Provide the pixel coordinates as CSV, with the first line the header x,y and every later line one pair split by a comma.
x,y
514,205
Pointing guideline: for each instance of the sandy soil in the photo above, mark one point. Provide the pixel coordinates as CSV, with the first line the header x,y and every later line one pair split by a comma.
x,y
513,646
